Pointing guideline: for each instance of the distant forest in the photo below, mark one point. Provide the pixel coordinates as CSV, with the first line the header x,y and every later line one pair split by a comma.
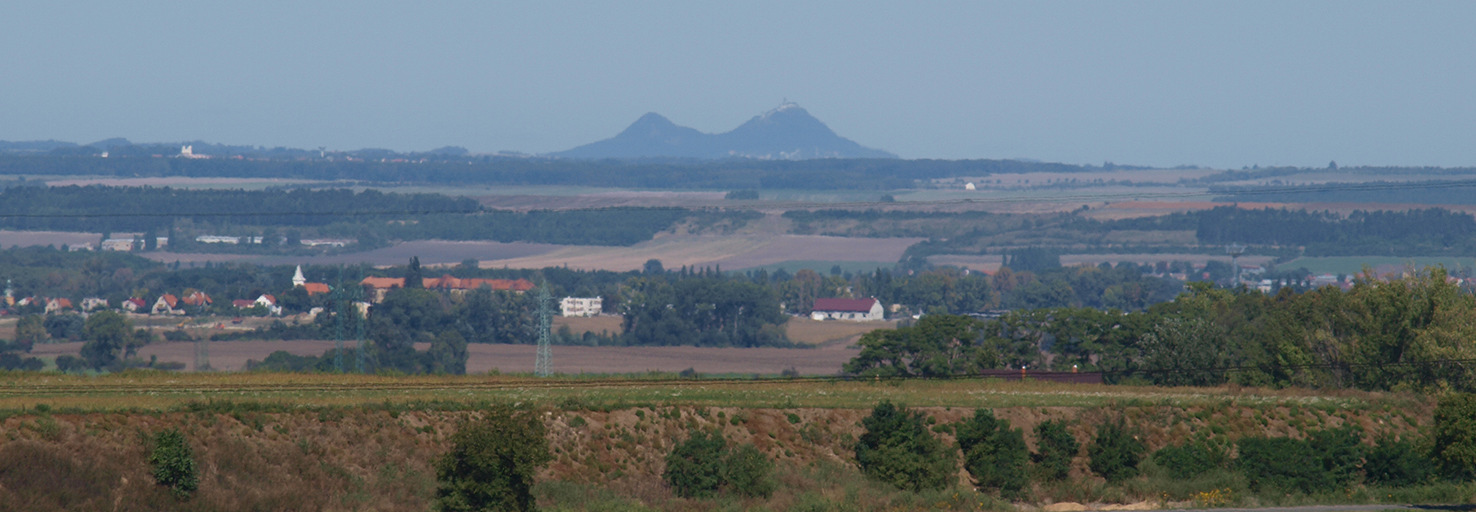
x,y
1385,192
1422,232
369,216
822,174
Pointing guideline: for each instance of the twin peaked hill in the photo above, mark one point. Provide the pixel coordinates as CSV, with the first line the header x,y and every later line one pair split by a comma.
x,y
785,133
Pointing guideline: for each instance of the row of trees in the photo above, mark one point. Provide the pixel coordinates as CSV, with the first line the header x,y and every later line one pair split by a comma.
x,y
900,448
1427,232
1408,333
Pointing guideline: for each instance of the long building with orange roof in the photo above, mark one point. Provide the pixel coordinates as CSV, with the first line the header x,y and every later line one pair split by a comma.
x,y
382,285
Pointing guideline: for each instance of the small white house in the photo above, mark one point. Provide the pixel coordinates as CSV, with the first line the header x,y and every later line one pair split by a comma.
x,y
270,303
847,309
581,306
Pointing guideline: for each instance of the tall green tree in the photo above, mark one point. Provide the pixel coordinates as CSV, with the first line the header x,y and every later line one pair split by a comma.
x,y
447,354
110,338
937,346
413,277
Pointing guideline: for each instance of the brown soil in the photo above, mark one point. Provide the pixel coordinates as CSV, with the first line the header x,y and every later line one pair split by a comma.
x,y
609,324
232,356
831,332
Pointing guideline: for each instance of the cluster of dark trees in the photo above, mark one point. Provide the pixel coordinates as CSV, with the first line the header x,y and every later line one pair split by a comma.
x,y
1411,333
1455,191
703,309
1426,232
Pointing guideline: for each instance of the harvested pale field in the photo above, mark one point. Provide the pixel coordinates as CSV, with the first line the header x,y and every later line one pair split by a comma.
x,y
729,252
1135,209
10,238
799,329
232,356
603,198
430,252
991,263
182,182
831,332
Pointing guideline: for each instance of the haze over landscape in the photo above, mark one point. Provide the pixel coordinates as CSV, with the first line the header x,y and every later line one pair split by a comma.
x,y
674,256
1223,84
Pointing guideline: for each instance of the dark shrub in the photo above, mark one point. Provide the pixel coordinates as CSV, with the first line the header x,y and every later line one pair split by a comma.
x,y
1115,453
1340,450
750,473
492,462
70,363
1396,463
1196,457
1454,437
173,463
704,465
993,453
1055,447
694,468
1280,464
898,449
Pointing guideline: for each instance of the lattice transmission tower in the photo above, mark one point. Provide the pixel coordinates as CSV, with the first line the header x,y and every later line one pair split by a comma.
x,y
356,297
202,354
543,364
339,310
346,301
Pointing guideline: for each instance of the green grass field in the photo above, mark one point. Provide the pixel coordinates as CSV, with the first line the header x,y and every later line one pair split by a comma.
x,y
158,391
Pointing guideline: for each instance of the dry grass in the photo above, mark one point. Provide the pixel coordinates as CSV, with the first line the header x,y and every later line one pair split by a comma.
x,y
729,252
380,456
579,325
831,332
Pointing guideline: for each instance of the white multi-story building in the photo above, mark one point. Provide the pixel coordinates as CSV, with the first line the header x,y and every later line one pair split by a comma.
x,y
581,306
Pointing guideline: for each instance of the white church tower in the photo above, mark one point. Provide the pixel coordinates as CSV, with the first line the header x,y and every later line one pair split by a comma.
x,y
297,279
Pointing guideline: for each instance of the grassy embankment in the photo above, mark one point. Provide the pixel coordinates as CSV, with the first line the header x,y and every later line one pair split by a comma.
x,y
344,442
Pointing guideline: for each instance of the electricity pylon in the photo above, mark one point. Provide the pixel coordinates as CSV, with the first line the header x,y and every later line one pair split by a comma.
x,y
543,364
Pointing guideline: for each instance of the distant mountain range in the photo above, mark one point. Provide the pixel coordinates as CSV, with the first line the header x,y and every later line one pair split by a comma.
x,y
784,133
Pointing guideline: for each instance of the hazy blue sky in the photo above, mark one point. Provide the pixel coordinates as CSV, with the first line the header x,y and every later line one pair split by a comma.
x,y
1159,83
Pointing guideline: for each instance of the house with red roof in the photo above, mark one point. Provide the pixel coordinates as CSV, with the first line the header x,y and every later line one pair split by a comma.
x,y
197,299
860,310
166,305
134,305
269,302
58,305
